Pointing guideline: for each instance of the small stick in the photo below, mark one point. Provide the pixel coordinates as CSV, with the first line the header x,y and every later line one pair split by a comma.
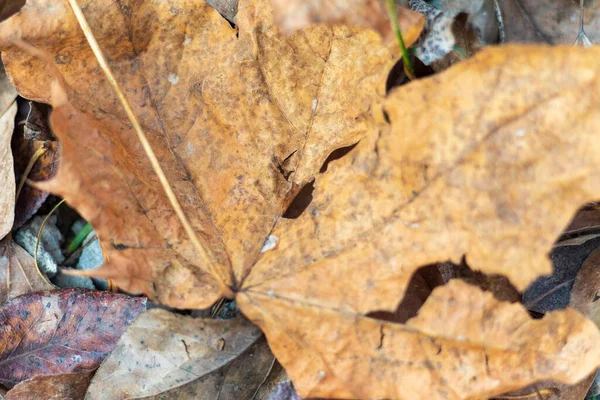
x,y
38,153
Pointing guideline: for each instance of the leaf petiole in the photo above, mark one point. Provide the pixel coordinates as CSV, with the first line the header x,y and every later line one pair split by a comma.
x,y
393,14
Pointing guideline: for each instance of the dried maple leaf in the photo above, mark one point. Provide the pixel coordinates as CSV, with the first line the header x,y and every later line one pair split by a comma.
x,y
18,272
479,178
180,349
240,120
56,332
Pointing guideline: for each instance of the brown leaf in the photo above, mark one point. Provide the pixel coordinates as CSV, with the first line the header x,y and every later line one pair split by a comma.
x,y
18,272
56,332
239,380
52,387
241,119
28,138
8,110
298,14
345,355
178,349
460,183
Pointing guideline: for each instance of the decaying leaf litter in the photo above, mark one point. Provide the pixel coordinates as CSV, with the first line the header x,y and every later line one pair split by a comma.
x,y
242,131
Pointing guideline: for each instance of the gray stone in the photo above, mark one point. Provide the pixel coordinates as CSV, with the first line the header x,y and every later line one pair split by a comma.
x,y
65,281
91,258
49,254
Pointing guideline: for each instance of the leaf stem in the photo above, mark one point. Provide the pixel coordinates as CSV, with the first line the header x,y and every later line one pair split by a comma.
x,y
393,14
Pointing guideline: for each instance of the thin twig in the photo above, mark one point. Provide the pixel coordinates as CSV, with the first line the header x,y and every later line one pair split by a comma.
x,y
225,281
38,153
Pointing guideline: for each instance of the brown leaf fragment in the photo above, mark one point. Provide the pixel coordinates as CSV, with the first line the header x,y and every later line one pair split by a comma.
x,y
18,272
10,7
500,348
52,387
240,119
238,380
56,332
29,137
179,349
585,294
298,14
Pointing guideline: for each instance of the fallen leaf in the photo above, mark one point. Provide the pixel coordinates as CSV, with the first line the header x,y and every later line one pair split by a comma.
x,y
56,332
8,110
234,168
447,166
179,349
18,272
52,387
338,354
240,379
298,14
31,136
441,189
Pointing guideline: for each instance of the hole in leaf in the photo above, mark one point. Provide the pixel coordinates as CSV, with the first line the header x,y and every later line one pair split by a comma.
x,y
336,155
397,76
427,278
301,202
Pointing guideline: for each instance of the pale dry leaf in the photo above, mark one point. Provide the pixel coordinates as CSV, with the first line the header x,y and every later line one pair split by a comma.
x,y
240,379
18,272
298,14
554,22
8,110
176,348
241,119
500,348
